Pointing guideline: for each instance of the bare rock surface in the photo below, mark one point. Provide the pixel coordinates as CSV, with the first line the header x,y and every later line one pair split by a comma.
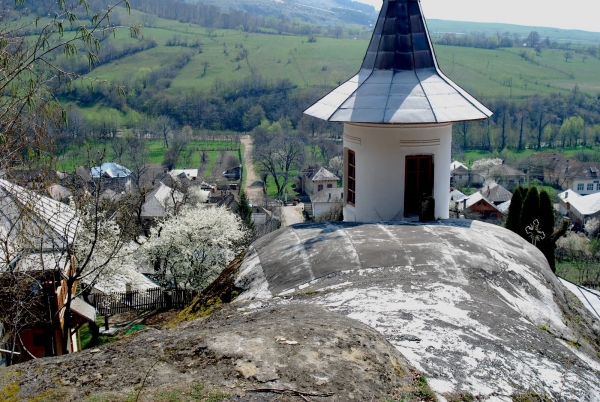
x,y
471,305
303,348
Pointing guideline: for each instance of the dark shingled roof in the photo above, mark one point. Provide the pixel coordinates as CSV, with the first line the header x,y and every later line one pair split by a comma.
x,y
495,193
399,81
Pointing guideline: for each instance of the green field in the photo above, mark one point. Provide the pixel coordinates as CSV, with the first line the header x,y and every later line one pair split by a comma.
x,y
486,73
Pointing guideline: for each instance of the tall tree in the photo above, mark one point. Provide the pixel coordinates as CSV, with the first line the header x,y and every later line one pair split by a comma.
x,y
547,226
279,156
530,212
514,210
521,118
533,39
504,111
165,127
541,118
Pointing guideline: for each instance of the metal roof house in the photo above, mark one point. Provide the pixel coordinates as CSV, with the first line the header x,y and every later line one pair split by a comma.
x,y
397,113
110,170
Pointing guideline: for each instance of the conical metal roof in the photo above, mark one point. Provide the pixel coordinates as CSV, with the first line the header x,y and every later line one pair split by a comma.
x,y
399,81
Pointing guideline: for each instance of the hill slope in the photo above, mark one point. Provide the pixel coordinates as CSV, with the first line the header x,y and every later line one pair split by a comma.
x,y
234,55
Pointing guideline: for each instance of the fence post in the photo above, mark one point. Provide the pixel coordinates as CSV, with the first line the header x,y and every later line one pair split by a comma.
x,y
168,299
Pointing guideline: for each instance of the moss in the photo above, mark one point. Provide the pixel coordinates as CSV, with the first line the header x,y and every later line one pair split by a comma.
x,y
460,397
573,344
308,292
51,395
530,397
222,290
10,391
422,390
217,396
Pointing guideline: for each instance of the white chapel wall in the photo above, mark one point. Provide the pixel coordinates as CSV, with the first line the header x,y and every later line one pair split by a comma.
x,y
381,152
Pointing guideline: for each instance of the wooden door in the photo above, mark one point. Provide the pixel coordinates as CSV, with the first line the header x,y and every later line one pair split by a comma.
x,y
418,182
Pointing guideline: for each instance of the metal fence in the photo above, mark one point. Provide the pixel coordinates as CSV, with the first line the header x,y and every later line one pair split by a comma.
x,y
150,299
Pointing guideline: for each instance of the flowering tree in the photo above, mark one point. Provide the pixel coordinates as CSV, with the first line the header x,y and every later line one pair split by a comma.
x,y
192,248
592,227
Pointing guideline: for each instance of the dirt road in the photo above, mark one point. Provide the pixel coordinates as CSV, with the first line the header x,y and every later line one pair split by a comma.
x,y
254,187
292,214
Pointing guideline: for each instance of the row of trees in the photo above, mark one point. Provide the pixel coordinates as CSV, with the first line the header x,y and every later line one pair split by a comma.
x,y
541,121
507,40
213,17
238,106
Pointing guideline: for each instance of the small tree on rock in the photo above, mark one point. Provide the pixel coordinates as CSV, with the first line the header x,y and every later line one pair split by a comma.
x,y
244,211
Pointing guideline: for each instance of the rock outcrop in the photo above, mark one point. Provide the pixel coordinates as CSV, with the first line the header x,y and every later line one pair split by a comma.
x,y
349,311
227,355
471,305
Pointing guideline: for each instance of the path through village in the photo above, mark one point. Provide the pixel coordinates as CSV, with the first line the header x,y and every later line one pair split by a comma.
x,y
254,187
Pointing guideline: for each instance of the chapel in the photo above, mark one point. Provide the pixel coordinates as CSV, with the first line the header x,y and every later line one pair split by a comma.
x,y
398,113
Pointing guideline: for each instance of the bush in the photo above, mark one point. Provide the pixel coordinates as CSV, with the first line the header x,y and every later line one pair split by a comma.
x,y
335,214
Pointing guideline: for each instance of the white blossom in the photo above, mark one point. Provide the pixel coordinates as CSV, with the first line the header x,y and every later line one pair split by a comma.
x,y
486,163
592,227
192,248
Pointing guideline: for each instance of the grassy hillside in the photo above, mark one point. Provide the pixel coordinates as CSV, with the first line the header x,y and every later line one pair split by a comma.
x,y
486,73
438,27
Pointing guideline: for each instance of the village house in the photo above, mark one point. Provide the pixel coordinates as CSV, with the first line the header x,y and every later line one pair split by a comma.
x,y
184,175
113,176
478,204
36,231
581,209
490,201
536,165
233,173
455,204
502,174
324,200
460,175
495,193
158,203
565,199
317,178
569,173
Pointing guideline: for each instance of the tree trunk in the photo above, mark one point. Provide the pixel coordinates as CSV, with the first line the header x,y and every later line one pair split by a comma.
x,y
521,133
67,318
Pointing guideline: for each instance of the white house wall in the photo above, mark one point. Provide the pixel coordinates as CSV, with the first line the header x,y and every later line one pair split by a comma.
x,y
595,186
381,151
321,207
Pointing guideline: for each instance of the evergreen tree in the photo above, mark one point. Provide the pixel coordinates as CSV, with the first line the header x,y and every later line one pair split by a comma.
x,y
546,214
244,211
548,245
560,232
514,210
529,212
